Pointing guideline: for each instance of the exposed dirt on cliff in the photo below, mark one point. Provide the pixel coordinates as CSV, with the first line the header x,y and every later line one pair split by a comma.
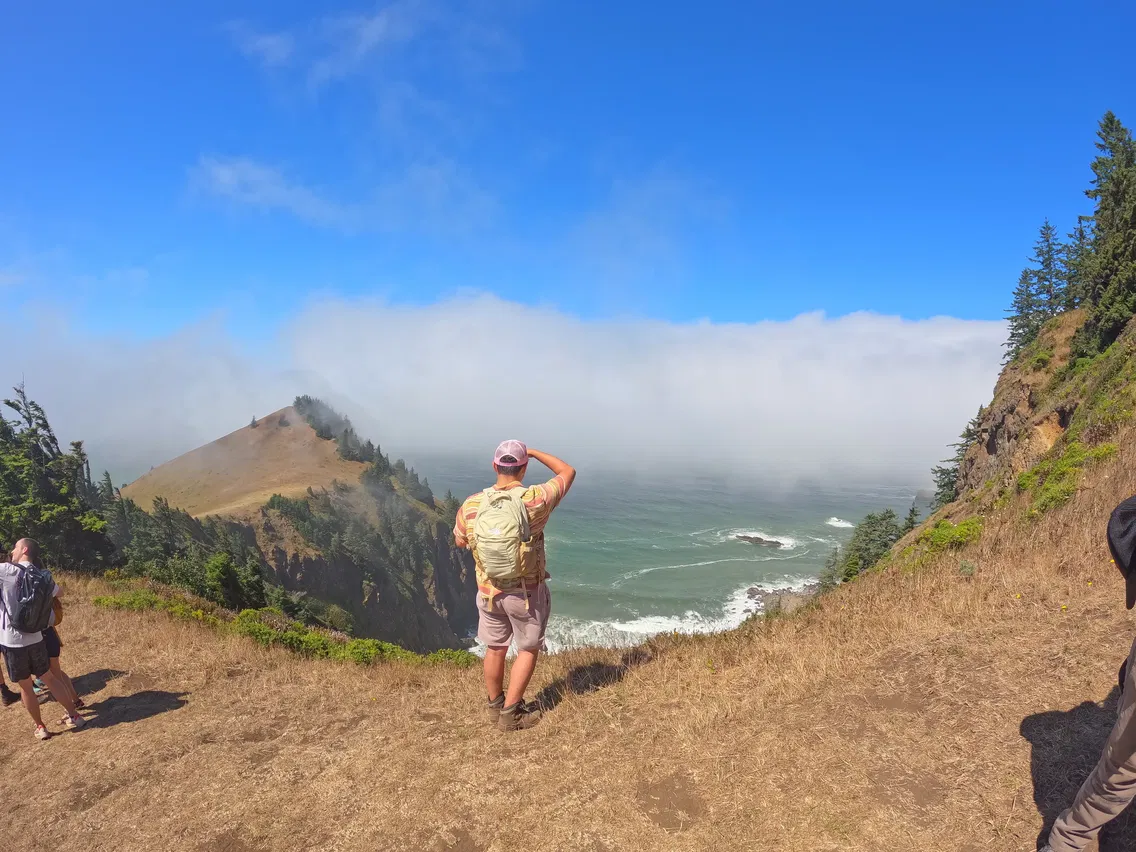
x,y
1022,422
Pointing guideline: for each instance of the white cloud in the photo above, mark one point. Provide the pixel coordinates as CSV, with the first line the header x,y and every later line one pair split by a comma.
x,y
355,39
436,197
256,185
269,49
863,398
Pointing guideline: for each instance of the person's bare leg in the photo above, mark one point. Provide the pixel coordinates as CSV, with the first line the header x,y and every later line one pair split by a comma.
x,y
520,675
58,691
494,669
31,702
62,677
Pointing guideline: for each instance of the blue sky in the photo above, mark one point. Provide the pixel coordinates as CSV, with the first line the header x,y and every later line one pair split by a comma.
x,y
166,163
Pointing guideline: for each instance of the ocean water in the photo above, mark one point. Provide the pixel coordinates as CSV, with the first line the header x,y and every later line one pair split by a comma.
x,y
631,556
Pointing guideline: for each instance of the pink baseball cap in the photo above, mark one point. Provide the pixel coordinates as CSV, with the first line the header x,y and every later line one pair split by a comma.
x,y
515,450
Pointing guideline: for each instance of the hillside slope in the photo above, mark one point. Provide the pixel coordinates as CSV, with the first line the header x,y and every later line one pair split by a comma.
x,y
239,472
905,711
953,699
364,543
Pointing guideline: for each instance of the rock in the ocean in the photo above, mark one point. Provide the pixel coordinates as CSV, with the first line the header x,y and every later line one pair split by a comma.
x,y
756,539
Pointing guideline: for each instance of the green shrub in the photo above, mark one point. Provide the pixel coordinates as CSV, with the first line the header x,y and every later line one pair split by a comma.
x,y
269,627
945,535
1054,480
1041,360
457,658
135,600
967,568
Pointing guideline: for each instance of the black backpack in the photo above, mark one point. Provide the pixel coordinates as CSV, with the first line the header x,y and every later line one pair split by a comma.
x,y
29,611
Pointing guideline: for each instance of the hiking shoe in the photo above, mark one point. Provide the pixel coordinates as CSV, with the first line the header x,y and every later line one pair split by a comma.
x,y
73,723
519,717
7,696
42,733
493,709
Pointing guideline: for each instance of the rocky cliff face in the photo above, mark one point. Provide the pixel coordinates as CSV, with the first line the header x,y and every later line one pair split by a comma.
x,y
1025,418
1052,420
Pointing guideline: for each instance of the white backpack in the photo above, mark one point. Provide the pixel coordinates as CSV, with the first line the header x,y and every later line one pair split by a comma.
x,y
501,526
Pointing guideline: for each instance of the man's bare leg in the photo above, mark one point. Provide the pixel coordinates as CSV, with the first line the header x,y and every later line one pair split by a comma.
x,y
520,675
62,677
31,702
58,691
494,668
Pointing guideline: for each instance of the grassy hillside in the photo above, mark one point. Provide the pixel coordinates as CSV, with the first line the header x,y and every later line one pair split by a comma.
x,y
237,474
953,698
345,537
904,711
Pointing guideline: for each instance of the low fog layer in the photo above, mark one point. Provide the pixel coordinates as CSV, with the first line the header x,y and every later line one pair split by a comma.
x,y
862,397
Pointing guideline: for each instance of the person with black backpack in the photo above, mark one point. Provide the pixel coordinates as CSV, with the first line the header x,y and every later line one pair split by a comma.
x,y
27,592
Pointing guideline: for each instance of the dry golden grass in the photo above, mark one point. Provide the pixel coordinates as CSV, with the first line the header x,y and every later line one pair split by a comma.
x,y
239,472
907,711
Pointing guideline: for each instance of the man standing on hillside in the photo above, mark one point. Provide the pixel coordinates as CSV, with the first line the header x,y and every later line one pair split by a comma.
x,y
504,527
25,654
1112,785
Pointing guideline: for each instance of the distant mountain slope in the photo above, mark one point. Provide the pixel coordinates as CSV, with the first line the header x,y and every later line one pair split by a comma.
x,y
324,515
238,473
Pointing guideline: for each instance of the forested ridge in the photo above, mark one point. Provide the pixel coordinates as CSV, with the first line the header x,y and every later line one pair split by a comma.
x,y
1092,269
381,537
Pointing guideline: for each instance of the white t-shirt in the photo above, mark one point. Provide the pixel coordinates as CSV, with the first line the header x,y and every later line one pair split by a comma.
x,y
9,636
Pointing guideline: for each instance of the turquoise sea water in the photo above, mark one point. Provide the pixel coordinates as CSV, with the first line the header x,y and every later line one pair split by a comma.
x,y
632,556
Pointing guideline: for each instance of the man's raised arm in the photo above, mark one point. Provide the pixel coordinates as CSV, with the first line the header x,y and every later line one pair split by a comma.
x,y
559,468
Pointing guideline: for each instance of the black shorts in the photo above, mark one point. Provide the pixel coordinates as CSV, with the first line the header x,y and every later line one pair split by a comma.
x,y
22,663
53,642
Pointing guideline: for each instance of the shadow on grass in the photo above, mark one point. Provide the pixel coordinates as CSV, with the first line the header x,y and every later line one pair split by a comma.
x,y
1066,747
590,677
95,681
123,709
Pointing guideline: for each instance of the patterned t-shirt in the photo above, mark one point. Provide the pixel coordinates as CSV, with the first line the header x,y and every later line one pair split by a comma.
x,y
540,500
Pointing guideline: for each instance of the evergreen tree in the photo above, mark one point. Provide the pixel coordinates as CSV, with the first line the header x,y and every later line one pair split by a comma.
x,y
1109,270
46,493
946,473
1075,256
872,538
1042,291
1049,277
107,492
222,583
831,575
911,521
252,585
1024,315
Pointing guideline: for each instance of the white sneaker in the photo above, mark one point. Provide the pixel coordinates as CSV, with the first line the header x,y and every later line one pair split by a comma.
x,y
42,733
73,723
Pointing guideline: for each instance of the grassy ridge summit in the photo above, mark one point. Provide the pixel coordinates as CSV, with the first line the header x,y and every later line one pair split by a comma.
x,y
238,473
330,517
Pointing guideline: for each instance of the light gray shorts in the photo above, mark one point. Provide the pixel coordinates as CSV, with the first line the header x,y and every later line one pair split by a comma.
x,y
510,619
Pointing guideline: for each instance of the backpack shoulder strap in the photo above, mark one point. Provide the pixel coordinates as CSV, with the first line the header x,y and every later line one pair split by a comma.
x,y
3,603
